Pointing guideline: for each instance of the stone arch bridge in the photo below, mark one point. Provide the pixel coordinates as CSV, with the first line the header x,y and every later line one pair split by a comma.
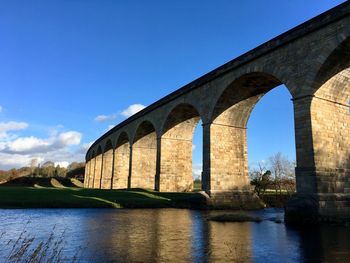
x,y
153,148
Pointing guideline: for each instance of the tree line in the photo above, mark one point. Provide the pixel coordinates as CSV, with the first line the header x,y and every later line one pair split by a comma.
x,y
47,169
276,175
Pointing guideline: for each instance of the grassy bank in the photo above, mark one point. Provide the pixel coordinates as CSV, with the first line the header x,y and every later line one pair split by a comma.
x,y
60,192
279,200
69,197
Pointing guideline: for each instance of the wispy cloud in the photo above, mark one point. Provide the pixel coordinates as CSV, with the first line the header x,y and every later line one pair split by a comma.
x,y
103,118
12,126
0,108
5,127
129,111
132,109
110,127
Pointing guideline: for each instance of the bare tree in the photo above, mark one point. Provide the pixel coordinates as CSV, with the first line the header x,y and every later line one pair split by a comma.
x,y
281,169
260,178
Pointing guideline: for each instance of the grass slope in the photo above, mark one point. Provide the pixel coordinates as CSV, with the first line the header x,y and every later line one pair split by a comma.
x,y
69,197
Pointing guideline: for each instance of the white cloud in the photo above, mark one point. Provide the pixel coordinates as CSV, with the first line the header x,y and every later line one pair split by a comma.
x,y
62,157
197,170
69,138
86,146
132,109
102,118
59,146
8,161
26,145
62,164
83,149
12,126
30,145
0,108
129,111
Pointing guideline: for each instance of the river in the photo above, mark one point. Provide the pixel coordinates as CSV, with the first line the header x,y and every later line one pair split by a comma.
x,y
162,235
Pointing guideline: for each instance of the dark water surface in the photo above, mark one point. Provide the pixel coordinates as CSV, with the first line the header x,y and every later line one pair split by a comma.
x,y
161,235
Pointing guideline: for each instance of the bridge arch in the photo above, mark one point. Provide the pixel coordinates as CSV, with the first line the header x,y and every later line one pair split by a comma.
x,y
176,148
121,162
312,60
107,166
238,99
225,137
144,156
336,61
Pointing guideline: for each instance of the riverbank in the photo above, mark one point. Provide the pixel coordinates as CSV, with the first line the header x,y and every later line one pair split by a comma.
x,y
71,197
277,201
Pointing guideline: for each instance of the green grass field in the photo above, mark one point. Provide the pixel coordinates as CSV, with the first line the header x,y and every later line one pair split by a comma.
x,y
41,192
69,197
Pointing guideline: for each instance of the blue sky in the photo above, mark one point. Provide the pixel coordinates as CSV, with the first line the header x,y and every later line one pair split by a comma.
x,y
71,69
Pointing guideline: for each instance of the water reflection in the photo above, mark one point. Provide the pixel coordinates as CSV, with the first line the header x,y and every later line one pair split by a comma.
x,y
140,236
164,235
325,244
229,242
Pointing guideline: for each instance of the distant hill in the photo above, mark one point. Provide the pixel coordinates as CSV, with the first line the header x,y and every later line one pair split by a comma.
x,y
57,182
6,176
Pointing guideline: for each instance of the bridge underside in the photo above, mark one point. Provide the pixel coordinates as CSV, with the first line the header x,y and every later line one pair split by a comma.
x,y
153,149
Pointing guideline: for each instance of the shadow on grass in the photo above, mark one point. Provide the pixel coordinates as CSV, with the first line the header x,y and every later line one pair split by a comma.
x,y
57,182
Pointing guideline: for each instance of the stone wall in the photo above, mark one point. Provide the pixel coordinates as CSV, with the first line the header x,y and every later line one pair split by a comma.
x,y
144,155
121,165
176,149
98,172
107,172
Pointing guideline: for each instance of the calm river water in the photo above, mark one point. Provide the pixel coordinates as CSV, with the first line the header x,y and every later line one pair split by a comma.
x,y
161,235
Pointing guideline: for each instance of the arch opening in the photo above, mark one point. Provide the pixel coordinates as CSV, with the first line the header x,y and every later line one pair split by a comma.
x,y
228,131
144,157
176,171
197,156
271,144
121,162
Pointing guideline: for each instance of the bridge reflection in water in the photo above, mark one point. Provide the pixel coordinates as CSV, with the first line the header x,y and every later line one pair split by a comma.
x,y
168,235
